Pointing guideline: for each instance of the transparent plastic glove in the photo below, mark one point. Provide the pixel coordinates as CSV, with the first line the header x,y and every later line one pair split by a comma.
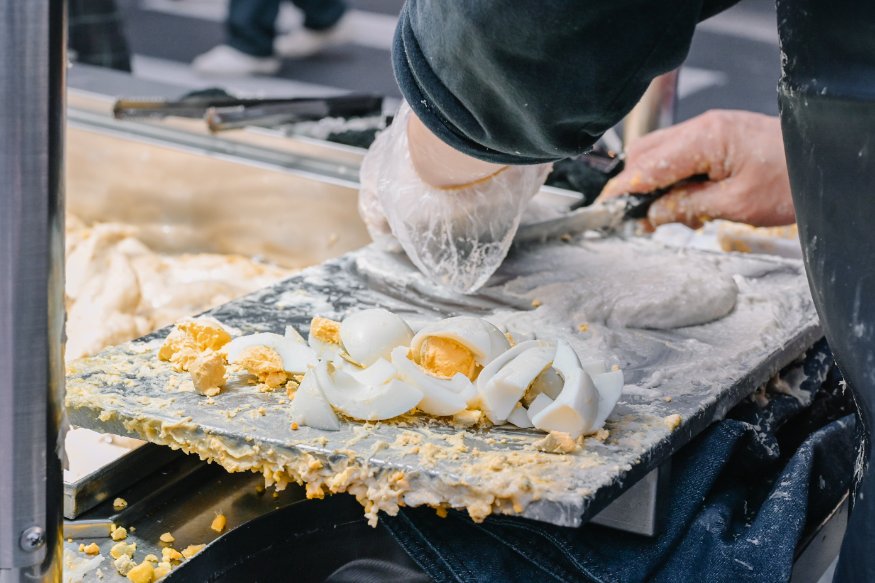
x,y
458,235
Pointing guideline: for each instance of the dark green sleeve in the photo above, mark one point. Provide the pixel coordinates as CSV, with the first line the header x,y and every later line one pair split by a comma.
x,y
521,81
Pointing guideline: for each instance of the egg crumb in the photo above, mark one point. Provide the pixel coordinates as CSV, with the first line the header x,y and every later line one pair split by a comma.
x,y
119,504
556,442
121,549
162,570
265,364
467,418
91,549
444,357
191,337
441,511
583,327
219,523
142,573
151,558
208,373
325,330
123,565
294,426
536,303
191,550
170,554
119,533
672,421
167,538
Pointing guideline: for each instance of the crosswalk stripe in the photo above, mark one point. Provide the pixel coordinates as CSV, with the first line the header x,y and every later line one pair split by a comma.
x,y
181,74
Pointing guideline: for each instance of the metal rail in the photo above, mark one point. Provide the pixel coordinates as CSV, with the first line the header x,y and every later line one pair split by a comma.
x,y
32,39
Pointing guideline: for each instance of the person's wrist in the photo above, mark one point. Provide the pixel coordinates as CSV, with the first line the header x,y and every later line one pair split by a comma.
x,y
442,166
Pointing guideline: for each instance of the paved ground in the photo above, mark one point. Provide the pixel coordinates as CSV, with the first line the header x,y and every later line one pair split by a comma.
x,y
733,62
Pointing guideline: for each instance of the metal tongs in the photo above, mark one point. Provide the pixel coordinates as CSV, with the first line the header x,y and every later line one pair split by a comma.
x,y
223,111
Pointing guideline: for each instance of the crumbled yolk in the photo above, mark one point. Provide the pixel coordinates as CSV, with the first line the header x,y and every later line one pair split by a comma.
x,y
119,533
142,573
119,504
167,538
191,550
672,421
206,335
219,523
151,558
325,330
556,442
444,357
189,339
162,570
121,549
208,373
91,549
170,554
264,363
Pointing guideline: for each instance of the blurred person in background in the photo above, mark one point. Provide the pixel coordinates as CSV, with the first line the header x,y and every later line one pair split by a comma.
x,y
96,35
253,46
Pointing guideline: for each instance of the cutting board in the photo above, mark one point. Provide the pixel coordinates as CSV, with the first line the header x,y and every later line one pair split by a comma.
x,y
678,381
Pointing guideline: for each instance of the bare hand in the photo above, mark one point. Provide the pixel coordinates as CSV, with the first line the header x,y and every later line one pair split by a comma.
x,y
741,153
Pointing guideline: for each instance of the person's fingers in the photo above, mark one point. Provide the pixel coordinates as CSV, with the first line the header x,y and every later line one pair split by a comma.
x,y
665,157
695,204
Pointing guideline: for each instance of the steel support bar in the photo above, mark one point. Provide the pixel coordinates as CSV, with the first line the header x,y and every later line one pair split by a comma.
x,y
32,39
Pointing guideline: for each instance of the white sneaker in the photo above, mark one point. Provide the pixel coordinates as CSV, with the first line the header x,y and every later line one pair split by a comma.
x,y
224,60
304,42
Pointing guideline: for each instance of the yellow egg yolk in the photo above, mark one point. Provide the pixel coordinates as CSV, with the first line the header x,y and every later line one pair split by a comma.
x,y
325,330
265,363
189,339
444,357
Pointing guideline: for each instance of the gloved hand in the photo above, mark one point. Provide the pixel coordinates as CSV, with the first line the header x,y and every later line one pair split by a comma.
x,y
457,234
742,154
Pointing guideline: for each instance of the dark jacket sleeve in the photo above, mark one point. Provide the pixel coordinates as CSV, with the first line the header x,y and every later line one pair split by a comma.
x,y
524,81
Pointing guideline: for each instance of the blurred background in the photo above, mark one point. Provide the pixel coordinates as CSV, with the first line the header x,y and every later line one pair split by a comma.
x,y
734,62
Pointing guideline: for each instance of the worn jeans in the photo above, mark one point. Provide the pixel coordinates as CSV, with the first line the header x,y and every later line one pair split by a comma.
x,y
742,495
251,24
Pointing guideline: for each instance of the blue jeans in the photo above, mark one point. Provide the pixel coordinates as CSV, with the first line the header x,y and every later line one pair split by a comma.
x,y
251,24
742,495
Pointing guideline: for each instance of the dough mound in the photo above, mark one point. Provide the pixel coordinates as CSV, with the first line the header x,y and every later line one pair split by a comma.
x,y
661,296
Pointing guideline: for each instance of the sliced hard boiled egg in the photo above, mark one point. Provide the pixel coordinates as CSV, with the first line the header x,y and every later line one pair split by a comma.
x,y
310,407
610,387
574,410
372,334
378,373
462,344
519,417
505,380
538,404
297,358
294,335
440,396
365,401
548,383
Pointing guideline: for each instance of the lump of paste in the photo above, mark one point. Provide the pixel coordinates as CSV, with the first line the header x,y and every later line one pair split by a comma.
x,y
666,296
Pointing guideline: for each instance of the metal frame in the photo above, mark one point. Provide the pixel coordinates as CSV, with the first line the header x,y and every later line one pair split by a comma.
x,y
32,40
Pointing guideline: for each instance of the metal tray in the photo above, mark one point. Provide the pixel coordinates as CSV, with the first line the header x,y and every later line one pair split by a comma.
x,y
126,390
